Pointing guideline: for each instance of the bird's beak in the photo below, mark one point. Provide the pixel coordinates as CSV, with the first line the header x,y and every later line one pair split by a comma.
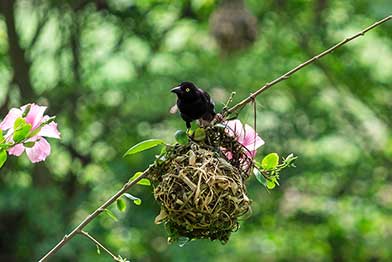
x,y
176,90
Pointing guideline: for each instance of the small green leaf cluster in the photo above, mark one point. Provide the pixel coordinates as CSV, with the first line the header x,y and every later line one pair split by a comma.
x,y
22,133
267,171
198,134
139,147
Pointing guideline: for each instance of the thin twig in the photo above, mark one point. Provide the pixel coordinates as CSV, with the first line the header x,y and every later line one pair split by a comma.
x,y
228,101
249,99
93,215
84,233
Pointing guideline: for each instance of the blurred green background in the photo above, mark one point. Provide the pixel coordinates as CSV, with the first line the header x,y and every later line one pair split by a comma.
x,y
105,68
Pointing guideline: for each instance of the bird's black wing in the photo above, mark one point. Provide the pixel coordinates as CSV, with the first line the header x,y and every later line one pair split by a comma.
x,y
210,104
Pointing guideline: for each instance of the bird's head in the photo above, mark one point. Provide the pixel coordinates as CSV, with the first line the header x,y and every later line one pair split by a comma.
x,y
186,90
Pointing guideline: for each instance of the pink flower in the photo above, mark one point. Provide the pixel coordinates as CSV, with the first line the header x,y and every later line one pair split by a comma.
x,y
246,136
36,118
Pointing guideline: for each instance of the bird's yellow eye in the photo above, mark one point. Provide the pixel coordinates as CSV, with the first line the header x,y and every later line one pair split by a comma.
x,y
187,90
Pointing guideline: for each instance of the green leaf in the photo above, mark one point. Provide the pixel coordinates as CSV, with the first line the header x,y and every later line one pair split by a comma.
x,y
144,182
122,259
3,157
1,136
137,201
121,204
181,137
98,250
270,161
270,184
22,129
34,132
136,175
5,146
19,123
259,177
110,214
289,160
29,144
27,110
144,145
199,134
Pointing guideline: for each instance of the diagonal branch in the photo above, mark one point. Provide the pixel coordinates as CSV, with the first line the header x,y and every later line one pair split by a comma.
x,y
93,215
251,98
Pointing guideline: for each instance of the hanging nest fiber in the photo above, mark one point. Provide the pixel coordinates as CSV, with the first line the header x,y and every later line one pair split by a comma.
x,y
201,190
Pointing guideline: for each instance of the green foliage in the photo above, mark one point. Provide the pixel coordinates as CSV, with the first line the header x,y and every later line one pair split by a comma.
x,y
181,137
3,153
3,157
22,129
110,214
29,144
270,161
144,145
199,134
259,177
143,181
267,172
121,204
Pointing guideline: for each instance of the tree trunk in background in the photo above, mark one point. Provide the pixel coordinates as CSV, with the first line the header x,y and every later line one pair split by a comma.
x,y
20,63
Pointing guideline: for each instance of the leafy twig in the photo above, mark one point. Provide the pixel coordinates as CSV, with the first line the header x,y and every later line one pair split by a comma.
x,y
84,233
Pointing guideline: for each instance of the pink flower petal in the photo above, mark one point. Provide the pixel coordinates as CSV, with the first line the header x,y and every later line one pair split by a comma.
x,y
35,115
50,130
246,136
10,118
16,150
39,151
251,139
254,146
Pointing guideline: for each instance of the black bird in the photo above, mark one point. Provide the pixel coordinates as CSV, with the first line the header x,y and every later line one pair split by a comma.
x,y
193,103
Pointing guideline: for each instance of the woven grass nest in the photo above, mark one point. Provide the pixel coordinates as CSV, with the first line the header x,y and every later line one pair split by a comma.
x,y
201,191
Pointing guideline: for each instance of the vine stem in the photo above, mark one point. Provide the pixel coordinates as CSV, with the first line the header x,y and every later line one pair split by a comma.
x,y
252,96
236,107
93,215
86,234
